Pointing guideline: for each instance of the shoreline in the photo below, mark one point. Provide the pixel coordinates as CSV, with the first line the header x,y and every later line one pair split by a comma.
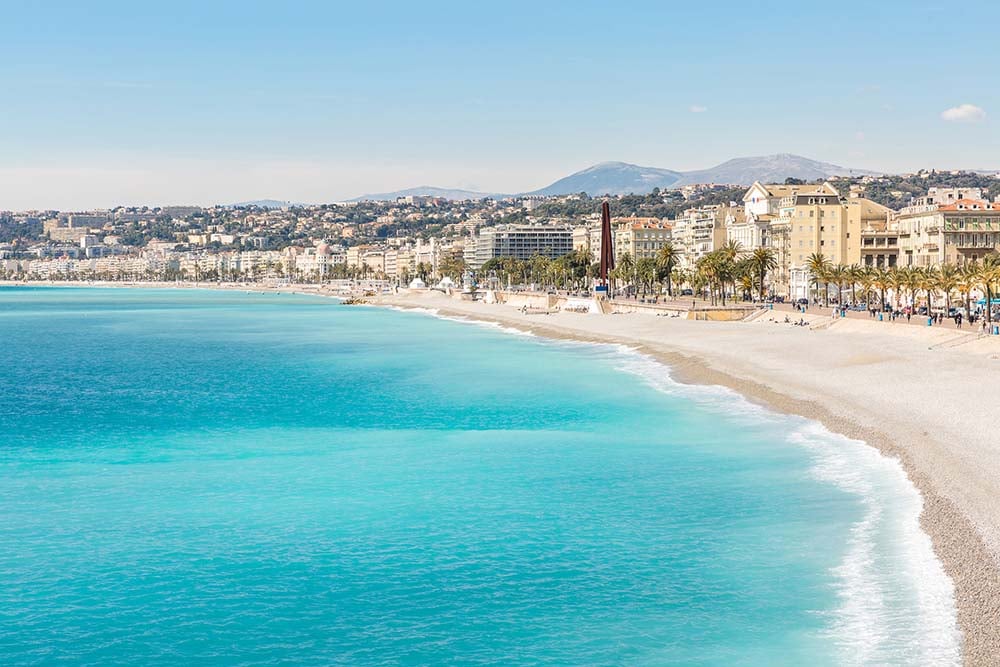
x,y
960,540
967,560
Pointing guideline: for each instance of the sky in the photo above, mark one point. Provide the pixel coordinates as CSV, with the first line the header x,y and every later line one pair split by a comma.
x,y
106,103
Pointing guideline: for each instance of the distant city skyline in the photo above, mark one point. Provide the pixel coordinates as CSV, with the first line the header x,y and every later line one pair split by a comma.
x,y
114,103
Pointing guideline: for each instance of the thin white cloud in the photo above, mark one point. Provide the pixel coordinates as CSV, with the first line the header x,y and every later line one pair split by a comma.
x,y
964,113
697,108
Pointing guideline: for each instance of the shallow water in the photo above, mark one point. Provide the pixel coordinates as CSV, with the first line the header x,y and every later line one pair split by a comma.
x,y
198,477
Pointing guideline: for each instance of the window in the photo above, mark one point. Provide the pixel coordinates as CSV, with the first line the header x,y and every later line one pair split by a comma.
x,y
811,214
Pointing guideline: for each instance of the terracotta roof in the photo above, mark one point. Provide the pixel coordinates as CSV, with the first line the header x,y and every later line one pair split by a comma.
x,y
971,205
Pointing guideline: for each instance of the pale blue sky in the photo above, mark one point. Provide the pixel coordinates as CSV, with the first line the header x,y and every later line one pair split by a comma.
x,y
108,103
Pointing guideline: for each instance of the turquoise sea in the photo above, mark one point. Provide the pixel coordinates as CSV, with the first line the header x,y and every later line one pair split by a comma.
x,y
198,477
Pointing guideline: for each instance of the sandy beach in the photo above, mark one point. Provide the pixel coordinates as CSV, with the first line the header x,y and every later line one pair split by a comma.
x,y
919,395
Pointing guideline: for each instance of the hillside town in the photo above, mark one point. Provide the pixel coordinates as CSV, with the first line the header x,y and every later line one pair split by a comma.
x,y
804,229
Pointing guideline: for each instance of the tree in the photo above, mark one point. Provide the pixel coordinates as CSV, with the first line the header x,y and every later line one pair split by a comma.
x,y
819,269
666,260
761,261
947,281
452,266
645,273
423,270
967,280
625,269
867,278
988,275
928,279
910,279
855,275
838,276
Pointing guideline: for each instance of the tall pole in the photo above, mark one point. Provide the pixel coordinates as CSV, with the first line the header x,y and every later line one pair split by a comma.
x,y
607,249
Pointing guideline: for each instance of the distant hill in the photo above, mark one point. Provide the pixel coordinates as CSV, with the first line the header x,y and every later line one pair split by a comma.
x,y
613,178
768,169
429,191
265,203
617,178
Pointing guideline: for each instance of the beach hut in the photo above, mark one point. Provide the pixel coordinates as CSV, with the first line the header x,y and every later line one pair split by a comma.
x,y
417,283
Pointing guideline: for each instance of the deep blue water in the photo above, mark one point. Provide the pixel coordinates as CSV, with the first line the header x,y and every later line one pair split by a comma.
x,y
198,477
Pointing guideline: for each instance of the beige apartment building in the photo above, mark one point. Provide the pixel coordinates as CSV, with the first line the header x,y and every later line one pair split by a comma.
x,y
826,225
963,231
588,238
700,231
642,238
799,220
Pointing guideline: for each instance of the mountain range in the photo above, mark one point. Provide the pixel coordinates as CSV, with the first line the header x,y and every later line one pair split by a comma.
x,y
616,178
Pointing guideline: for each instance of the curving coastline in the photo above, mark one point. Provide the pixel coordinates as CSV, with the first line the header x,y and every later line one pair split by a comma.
x,y
861,383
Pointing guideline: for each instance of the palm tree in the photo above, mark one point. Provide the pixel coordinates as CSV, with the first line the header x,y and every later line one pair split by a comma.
x,y
761,261
867,278
707,270
819,268
988,275
731,249
909,278
928,279
626,267
838,276
855,275
948,279
967,281
666,259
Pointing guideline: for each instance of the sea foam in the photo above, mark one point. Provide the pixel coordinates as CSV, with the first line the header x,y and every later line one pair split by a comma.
x,y
897,604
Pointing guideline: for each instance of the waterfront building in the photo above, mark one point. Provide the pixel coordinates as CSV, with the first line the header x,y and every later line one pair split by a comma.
x,y
956,233
520,242
879,248
642,238
588,239
698,232
819,223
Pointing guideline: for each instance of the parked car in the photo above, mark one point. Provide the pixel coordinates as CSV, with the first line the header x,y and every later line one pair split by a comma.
x,y
802,302
687,292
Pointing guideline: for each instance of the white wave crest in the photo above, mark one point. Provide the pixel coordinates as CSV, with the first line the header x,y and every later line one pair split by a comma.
x,y
897,604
